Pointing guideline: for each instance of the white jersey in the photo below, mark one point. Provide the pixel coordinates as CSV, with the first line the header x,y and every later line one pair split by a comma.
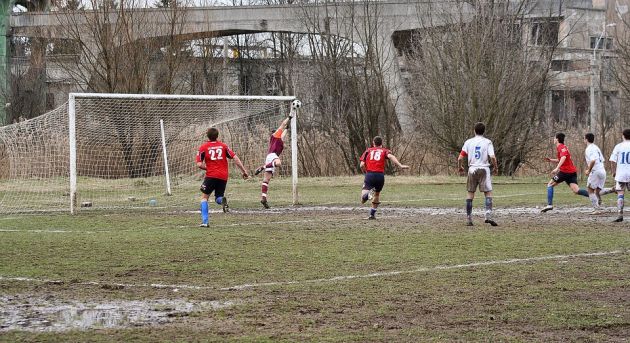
x,y
479,149
592,153
621,155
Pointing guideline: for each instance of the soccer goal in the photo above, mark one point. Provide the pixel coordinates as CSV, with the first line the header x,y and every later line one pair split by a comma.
x,y
123,151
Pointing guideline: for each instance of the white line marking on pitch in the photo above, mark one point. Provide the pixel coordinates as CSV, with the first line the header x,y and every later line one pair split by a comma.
x,y
48,231
423,269
457,198
332,279
438,199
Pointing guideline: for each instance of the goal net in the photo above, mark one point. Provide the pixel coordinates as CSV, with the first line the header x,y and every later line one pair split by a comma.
x,y
121,151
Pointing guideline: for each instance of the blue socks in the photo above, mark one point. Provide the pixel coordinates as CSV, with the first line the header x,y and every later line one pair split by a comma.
x,y
204,211
549,195
620,204
583,192
372,211
469,208
218,200
488,207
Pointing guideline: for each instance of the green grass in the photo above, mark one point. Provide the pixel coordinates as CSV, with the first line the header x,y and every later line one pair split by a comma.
x,y
583,298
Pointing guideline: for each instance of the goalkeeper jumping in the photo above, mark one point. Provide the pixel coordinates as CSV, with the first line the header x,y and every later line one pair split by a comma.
x,y
276,145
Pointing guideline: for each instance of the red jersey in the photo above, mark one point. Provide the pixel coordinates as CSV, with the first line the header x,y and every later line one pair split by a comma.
x,y
567,166
215,155
375,158
276,145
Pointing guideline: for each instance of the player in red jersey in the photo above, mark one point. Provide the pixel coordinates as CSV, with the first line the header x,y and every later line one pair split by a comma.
x,y
276,145
373,165
212,157
564,171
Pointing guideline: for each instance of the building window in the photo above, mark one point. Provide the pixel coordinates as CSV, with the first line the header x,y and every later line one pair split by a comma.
x,y
545,33
604,43
561,65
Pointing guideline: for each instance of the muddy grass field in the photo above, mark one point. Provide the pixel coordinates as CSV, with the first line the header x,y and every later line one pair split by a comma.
x,y
320,271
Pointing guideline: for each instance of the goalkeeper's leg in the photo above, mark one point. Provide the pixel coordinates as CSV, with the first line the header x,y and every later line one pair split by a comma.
x,y
269,166
265,189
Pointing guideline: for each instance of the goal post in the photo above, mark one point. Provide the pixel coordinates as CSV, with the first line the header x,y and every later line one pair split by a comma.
x,y
109,151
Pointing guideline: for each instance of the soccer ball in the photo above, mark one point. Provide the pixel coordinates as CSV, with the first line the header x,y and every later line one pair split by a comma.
x,y
296,104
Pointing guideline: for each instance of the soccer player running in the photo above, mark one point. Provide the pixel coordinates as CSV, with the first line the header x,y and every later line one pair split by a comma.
x,y
595,171
212,157
480,153
620,165
276,145
563,172
373,165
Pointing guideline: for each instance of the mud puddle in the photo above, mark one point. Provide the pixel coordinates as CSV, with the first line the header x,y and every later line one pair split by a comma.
x,y
33,314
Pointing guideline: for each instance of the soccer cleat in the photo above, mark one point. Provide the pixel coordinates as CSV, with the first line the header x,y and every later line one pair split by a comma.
x,y
546,208
259,170
224,204
264,203
491,222
371,194
618,220
371,217
469,223
204,225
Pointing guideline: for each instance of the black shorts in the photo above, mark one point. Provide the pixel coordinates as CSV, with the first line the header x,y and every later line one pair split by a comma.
x,y
569,178
211,184
374,180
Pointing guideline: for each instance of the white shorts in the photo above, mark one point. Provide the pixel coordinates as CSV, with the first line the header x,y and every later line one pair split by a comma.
x,y
596,179
270,157
479,177
622,186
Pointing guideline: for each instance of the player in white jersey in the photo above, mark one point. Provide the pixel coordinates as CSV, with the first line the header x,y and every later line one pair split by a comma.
x,y
480,153
595,171
620,165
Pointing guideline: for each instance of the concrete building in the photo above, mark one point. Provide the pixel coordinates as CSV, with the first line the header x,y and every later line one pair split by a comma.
x,y
581,94
583,91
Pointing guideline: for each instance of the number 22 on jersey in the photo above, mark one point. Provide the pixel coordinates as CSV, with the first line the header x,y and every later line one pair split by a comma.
x,y
215,153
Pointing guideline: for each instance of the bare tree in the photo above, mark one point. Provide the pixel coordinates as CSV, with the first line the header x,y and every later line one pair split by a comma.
x,y
619,69
118,45
351,99
483,61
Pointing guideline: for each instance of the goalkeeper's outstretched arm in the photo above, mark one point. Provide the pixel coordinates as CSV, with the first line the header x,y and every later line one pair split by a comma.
x,y
281,132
